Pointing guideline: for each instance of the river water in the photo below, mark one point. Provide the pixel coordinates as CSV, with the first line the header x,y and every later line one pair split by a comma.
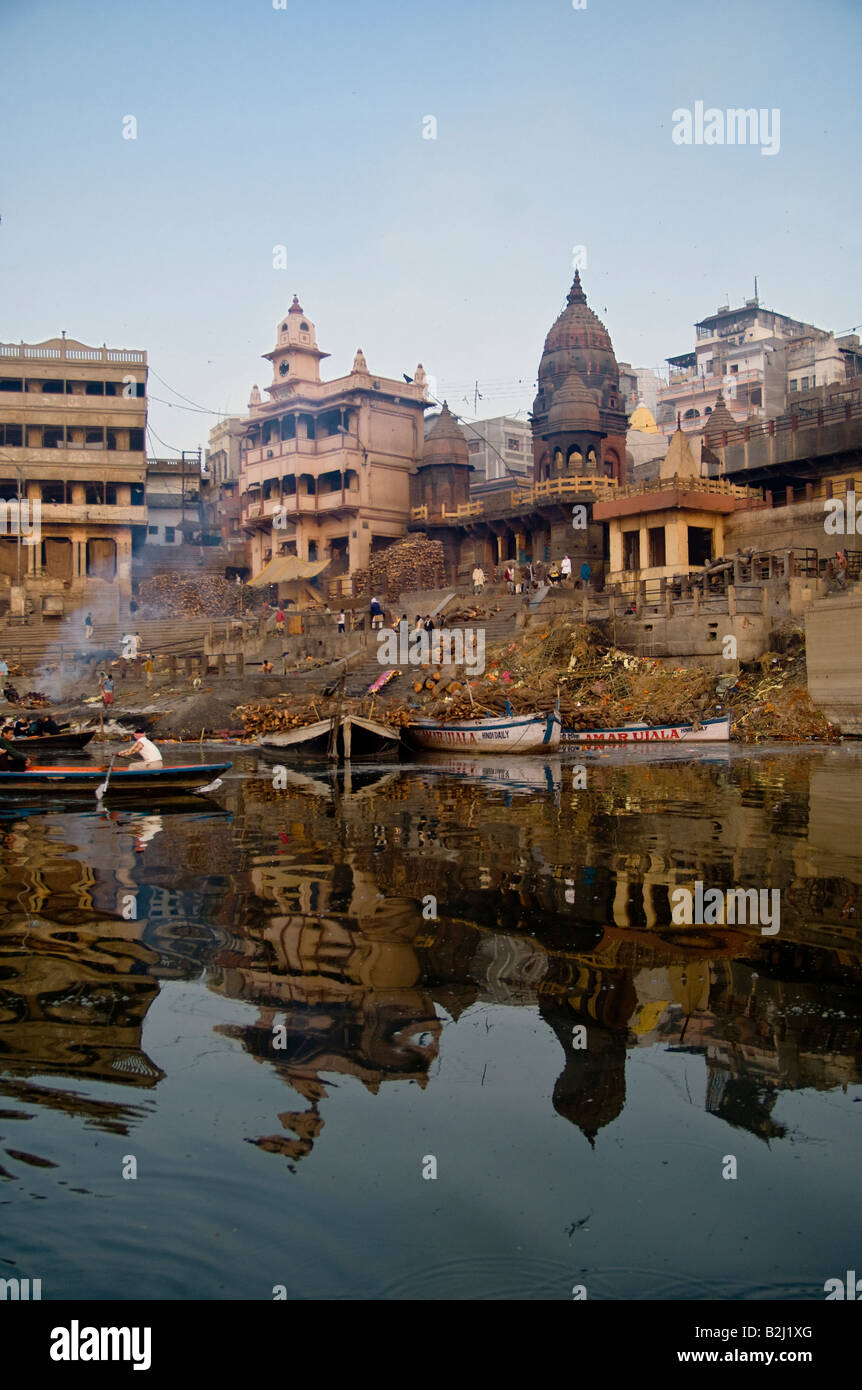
x,y
430,1031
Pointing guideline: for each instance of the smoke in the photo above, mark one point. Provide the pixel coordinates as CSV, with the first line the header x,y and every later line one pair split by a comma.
x,y
67,661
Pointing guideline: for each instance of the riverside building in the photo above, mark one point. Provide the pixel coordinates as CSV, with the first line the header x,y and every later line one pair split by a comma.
x,y
325,465
72,448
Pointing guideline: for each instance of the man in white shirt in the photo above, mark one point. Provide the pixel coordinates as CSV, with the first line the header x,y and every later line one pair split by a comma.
x,y
142,748
478,579
565,569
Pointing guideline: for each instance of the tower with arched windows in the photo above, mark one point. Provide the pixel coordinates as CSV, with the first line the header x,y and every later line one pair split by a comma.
x,y
579,424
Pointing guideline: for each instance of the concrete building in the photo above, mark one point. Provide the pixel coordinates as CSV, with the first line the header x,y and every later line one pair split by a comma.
x,y
223,456
174,500
755,358
72,447
500,450
325,468
673,526
639,386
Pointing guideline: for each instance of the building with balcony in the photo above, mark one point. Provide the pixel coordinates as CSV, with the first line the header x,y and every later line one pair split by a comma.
x,y
72,449
756,358
174,500
325,465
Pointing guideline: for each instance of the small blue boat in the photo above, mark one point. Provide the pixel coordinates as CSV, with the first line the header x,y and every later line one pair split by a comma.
x,y
124,781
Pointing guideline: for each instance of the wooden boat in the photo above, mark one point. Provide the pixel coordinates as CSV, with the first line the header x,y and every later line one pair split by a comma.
x,y
64,742
354,738
123,781
520,733
710,731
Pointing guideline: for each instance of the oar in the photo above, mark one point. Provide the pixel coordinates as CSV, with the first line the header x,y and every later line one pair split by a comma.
x,y
100,790
213,787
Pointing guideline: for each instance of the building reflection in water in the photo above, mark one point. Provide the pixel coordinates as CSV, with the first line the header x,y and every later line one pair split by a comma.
x,y
312,905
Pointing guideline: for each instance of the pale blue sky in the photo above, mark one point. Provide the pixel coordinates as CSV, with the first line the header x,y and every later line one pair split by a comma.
x,y
303,126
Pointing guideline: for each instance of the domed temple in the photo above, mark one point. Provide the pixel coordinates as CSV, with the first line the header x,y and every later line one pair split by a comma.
x,y
579,425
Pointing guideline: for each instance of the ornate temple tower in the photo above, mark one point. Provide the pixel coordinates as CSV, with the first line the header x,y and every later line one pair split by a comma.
x,y
442,477
579,425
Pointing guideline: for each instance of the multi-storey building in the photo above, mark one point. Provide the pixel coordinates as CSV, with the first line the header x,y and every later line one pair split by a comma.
x,y
174,500
755,358
326,465
72,449
501,452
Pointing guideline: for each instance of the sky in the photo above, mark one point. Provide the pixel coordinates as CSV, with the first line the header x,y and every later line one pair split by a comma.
x,y
305,127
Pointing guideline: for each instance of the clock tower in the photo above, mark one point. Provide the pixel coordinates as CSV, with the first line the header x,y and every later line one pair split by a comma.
x,y
296,357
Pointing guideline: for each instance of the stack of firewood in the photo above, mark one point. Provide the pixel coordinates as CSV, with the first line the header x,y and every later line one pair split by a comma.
x,y
203,596
414,563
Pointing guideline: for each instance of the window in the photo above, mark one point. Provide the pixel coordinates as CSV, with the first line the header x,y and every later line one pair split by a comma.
x,y
473,446
631,550
136,441
514,445
794,385
805,383
699,545
735,367
170,534
152,530
12,435
656,546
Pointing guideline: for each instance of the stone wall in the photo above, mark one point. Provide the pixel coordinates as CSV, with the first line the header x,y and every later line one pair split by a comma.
x,y
833,638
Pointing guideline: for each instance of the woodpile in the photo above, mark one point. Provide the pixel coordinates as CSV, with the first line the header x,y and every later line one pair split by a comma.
x,y
203,596
414,563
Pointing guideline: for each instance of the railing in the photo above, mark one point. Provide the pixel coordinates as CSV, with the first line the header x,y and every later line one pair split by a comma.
x,y
803,417
519,498
720,486
705,385
70,354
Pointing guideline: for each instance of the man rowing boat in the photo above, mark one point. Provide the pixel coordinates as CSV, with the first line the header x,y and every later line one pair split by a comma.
x,y
10,758
142,748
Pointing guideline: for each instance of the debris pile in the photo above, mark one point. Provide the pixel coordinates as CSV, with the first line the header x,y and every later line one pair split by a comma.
x,y
414,563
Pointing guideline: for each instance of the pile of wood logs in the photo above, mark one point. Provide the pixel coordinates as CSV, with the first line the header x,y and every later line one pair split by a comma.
x,y
414,563
203,596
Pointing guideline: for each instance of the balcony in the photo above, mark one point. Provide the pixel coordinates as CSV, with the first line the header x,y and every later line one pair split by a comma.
x,y
302,505
66,514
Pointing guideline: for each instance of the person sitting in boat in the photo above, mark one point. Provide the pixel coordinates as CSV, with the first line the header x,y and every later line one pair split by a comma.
x,y
20,728
11,760
50,725
142,748
35,728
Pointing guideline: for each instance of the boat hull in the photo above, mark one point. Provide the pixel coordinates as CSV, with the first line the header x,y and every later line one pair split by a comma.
x,y
529,733
710,731
44,743
126,781
355,738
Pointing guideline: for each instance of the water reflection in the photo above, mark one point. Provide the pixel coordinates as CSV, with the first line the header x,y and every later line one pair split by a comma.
x,y
360,915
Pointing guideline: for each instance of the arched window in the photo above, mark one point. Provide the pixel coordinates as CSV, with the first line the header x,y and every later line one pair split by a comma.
x,y
575,459
304,328
591,460
691,415
284,328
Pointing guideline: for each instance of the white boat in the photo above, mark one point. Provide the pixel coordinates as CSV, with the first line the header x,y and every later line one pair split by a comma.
x,y
520,733
710,731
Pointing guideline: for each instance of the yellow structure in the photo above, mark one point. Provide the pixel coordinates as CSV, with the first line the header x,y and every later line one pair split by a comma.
x,y
643,419
325,468
672,526
72,449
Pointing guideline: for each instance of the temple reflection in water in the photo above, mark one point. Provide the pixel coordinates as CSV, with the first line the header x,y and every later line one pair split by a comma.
x,y
310,904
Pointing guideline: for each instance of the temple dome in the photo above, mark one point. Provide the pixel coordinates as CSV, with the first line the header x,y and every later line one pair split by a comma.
x,y
445,441
643,419
573,407
579,343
